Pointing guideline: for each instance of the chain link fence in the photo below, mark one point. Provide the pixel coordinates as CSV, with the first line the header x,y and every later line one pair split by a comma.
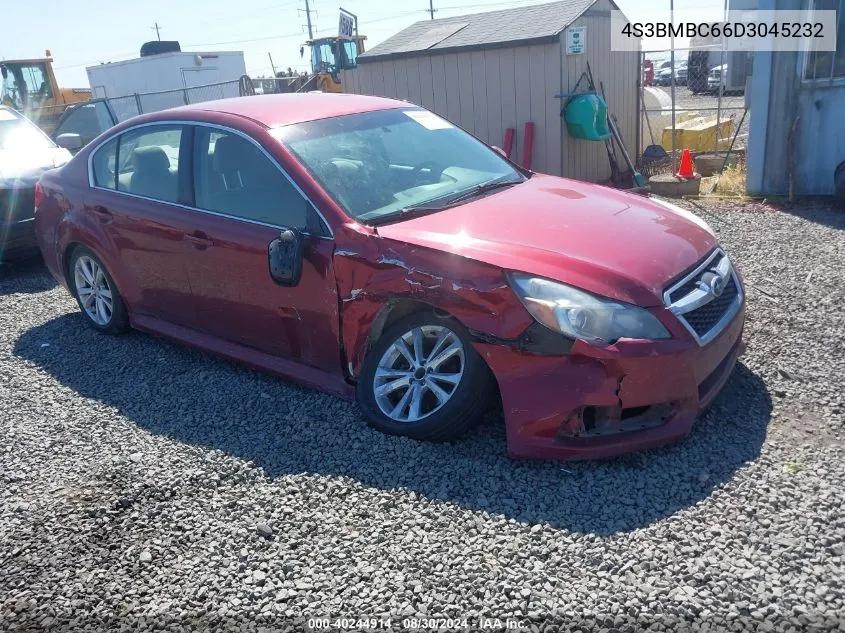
x,y
697,103
141,103
280,85
126,107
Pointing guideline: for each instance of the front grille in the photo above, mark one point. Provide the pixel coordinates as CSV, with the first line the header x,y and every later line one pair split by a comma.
x,y
705,318
697,301
692,283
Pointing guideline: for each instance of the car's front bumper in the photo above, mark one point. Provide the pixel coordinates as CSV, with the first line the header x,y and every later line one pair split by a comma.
x,y
596,402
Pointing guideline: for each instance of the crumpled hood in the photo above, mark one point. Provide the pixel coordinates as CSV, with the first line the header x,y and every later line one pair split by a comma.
x,y
612,243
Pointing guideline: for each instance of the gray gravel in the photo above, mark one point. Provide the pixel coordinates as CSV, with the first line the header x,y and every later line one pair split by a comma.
x,y
145,485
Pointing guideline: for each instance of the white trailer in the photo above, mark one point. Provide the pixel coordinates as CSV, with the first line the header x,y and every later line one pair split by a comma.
x,y
171,79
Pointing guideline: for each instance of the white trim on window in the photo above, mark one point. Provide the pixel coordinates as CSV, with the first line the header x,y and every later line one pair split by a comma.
x,y
806,53
222,215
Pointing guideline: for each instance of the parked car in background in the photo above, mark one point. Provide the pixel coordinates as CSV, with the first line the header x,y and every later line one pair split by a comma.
x,y
716,78
664,75
87,120
25,153
369,248
681,74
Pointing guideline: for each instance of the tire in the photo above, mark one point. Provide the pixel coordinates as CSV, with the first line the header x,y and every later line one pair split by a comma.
x,y
439,419
96,293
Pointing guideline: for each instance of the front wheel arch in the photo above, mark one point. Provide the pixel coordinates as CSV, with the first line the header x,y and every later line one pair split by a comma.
x,y
452,419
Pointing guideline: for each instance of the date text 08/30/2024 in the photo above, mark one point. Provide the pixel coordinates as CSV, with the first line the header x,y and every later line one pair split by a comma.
x,y
419,623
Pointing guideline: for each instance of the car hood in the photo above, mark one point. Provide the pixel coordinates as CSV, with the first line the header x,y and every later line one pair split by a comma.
x,y
612,243
17,163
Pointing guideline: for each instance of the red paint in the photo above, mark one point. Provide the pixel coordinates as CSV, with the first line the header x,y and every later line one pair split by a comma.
x,y
38,197
510,133
528,148
203,280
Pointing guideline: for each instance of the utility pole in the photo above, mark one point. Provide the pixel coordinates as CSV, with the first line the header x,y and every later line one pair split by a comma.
x,y
272,65
157,27
308,16
431,8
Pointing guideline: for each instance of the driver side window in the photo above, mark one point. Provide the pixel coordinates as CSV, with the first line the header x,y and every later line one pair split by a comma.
x,y
233,177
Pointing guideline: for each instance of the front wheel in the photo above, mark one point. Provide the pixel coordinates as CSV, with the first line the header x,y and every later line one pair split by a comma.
x,y
424,379
96,293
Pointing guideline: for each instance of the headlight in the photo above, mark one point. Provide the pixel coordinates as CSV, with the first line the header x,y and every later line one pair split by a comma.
x,y
688,215
578,314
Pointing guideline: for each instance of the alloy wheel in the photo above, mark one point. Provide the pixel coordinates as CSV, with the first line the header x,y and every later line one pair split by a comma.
x,y
419,373
93,289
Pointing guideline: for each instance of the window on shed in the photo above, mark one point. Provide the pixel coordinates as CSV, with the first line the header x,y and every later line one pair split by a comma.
x,y
828,65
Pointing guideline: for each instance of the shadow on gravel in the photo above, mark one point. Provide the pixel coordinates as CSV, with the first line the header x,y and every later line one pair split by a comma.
x,y
26,275
192,398
826,211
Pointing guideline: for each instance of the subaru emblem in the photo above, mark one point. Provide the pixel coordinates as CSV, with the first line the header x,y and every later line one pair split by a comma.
x,y
717,285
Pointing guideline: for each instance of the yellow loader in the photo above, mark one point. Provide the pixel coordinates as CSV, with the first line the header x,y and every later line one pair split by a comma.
x,y
30,87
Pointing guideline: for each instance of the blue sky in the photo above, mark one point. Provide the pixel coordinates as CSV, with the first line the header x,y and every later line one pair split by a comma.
x,y
81,34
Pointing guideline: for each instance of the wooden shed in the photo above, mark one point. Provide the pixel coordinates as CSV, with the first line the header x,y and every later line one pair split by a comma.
x,y
490,71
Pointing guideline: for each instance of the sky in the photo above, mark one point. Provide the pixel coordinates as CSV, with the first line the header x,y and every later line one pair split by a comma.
x,y
84,34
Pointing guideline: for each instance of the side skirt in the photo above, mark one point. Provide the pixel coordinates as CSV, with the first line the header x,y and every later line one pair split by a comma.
x,y
287,369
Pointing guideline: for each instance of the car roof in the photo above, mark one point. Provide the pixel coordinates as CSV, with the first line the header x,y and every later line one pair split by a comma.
x,y
275,110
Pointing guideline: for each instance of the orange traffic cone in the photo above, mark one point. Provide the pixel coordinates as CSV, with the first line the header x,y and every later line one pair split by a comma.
x,y
686,170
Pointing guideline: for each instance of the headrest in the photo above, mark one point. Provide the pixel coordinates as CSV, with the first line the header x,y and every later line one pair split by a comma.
x,y
233,154
150,159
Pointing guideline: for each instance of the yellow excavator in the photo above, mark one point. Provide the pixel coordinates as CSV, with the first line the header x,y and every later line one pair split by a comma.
x,y
29,86
331,55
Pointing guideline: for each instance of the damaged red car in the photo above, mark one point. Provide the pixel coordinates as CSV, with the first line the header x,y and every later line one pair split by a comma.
x,y
369,248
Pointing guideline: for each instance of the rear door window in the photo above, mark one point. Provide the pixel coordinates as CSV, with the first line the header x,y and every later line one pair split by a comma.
x,y
143,162
103,162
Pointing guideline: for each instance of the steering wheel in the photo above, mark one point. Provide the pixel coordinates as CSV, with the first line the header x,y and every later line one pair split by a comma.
x,y
435,170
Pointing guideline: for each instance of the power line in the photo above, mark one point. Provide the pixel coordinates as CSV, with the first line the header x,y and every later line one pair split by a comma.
x,y
246,41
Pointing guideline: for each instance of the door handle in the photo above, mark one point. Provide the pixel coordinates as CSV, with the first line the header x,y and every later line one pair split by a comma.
x,y
198,239
103,215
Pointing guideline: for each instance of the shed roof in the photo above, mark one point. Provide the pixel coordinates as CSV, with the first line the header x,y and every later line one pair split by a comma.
x,y
482,30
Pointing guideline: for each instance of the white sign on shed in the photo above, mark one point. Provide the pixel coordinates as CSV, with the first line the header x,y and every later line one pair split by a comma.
x,y
576,40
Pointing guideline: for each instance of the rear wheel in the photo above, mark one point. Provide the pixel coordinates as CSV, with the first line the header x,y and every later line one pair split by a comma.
x,y
424,379
96,293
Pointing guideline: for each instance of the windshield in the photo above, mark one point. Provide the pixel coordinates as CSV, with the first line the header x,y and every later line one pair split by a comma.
x,y
17,133
376,164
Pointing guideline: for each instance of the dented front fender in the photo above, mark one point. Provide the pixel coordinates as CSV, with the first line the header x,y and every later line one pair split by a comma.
x,y
373,277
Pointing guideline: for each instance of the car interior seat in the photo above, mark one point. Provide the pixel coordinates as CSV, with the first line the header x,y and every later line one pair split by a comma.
x,y
152,176
252,187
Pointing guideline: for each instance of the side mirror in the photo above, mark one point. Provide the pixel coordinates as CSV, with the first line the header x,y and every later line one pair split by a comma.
x,y
70,141
499,150
285,258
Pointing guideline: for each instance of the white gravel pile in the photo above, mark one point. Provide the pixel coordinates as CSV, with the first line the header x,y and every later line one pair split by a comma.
x,y
144,485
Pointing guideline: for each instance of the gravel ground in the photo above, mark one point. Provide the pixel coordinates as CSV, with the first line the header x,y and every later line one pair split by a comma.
x,y
145,485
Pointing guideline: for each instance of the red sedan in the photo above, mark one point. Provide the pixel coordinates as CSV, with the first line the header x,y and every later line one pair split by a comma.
x,y
369,248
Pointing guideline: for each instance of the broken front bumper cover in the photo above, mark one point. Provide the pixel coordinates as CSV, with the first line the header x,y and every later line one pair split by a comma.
x,y
594,403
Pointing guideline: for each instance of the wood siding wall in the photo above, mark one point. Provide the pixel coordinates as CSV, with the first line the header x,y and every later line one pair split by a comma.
x,y
486,91
619,73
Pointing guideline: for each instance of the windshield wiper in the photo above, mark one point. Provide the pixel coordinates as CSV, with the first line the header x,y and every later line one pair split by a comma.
x,y
413,211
